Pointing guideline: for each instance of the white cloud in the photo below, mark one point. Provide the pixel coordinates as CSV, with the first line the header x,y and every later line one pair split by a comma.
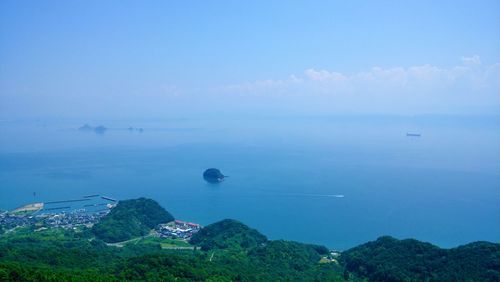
x,y
471,61
420,88
399,77
323,75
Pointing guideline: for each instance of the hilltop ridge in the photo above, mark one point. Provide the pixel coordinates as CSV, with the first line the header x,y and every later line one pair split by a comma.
x,y
227,233
227,250
129,219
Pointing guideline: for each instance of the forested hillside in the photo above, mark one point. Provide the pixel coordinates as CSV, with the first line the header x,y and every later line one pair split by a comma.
x,y
131,218
228,233
227,250
389,259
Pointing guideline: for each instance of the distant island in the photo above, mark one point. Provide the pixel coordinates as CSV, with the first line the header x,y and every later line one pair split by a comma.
x,y
130,128
98,129
85,127
213,175
134,242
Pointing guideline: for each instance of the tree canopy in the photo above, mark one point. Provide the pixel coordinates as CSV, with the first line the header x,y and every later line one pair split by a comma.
x,y
227,233
129,219
229,251
390,259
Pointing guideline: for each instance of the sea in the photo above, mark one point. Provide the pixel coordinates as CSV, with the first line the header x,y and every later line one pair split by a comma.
x,y
338,181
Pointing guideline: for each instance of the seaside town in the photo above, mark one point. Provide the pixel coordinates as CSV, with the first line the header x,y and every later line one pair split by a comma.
x,y
81,212
67,214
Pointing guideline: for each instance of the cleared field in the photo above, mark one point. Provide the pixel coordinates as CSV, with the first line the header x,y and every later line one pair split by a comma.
x,y
28,208
165,243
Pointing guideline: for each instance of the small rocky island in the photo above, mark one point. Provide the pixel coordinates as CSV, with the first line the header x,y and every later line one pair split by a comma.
x,y
213,175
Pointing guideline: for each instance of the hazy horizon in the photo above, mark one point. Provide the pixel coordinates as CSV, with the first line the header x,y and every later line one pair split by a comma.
x,y
123,59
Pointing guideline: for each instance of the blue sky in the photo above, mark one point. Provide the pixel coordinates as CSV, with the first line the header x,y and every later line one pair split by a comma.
x,y
158,58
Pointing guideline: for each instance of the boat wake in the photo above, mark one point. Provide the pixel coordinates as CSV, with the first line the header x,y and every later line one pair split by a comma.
x,y
318,195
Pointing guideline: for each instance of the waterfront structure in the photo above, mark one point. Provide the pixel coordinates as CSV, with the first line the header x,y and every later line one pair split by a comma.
x,y
67,214
177,229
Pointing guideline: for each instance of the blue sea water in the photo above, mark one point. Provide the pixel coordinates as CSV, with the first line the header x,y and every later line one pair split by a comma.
x,y
284,172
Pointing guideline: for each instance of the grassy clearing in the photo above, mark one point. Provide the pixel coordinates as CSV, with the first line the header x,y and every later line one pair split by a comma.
x,y
165,243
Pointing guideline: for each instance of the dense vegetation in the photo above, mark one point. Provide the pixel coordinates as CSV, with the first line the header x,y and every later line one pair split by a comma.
x,y
129,219
230,251
233,243
389,259
58,255
227,233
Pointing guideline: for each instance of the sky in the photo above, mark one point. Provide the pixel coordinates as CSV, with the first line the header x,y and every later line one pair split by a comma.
x,y
149,59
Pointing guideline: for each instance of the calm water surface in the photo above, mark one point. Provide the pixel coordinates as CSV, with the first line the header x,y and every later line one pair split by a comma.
x,y
443,187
